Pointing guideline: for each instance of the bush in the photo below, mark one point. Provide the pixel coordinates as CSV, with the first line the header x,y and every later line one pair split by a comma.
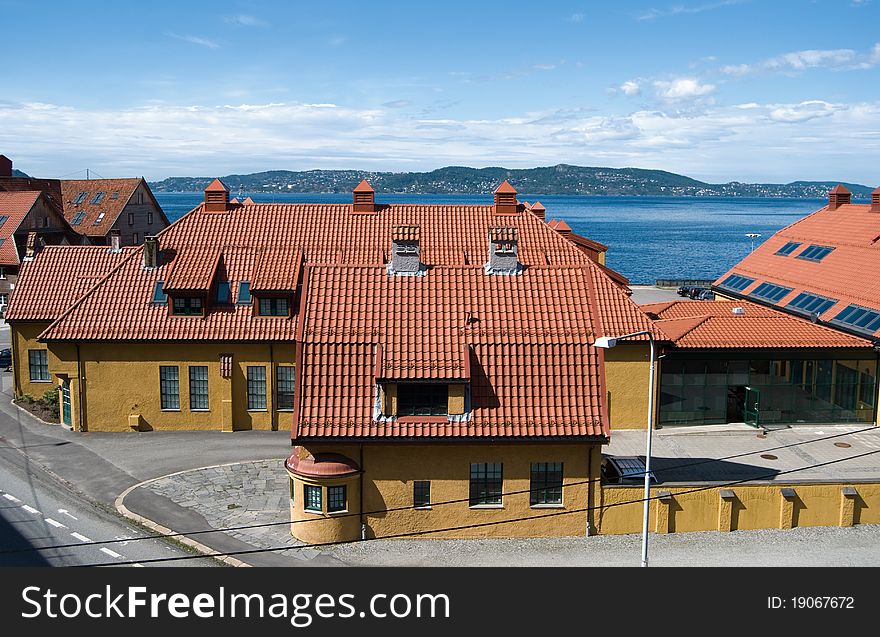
x,y
50,399
27,399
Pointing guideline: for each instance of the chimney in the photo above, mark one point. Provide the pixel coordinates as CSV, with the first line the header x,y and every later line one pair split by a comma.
x,y
405,251
364,198
503,249
115,241
875,200
33,246
216,197
538,210
562,228
151,252
5,166
838,196
505,199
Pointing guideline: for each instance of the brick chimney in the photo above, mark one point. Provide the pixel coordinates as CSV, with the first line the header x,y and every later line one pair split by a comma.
x,y
405,251
838,196
216,197
364,198
503,250
115,241
151,252
505,199
538,210
875,200
5,166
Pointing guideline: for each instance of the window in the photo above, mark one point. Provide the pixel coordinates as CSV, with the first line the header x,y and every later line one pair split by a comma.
x,y
273,307
770,292
97,198
815,253
545,486
867,389
198,388
244,293
38,362
285,387
80,198
422,400
3,219
422,494
99,219
809,303
131,218
788,248
2,241
335,499
115,195
150,218
737,282
188,305
312,498
134,238
78,218
158,295
486,484
860,318
2,273
44,222
223,292
140,197
169,386
256,384
292,489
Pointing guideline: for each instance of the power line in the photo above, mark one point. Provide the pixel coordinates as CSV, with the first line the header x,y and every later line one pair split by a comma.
x,y
160,536
492,523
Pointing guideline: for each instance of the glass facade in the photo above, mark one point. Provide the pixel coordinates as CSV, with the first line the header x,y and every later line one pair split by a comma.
x,y
702,388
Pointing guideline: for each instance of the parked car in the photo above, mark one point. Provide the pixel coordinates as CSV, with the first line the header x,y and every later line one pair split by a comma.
x,y
695,292
706,295
6,359
684,290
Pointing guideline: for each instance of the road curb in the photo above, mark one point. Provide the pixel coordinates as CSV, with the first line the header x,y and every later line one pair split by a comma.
x,y
35,417
183,539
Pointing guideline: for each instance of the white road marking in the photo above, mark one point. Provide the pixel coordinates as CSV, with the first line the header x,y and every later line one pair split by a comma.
x,y
55,523
104,549
30,509
81,538
11,497
138,565
64,512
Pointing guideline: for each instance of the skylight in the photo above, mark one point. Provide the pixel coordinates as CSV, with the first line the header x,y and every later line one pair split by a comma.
x,y
860,318
809,303
244,293
788,248
3,219
815,253
737,282
80,198
97,198
99,219
158,295
78,219
770,292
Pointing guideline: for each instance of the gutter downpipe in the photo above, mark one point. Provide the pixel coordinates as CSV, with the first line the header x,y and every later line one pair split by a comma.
x,y
361,495
590,490
82,389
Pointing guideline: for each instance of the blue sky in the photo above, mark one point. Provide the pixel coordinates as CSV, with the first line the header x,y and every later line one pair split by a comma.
x,y
749,90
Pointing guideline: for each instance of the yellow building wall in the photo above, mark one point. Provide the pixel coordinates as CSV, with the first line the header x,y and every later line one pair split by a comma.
x,y
23,337
121,380
390,469
627,371
759,506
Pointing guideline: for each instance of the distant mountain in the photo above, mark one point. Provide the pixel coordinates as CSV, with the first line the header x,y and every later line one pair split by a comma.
x,y
18,173
551,180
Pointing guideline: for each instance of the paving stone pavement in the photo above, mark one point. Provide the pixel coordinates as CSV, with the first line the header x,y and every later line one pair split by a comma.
x,y
245,493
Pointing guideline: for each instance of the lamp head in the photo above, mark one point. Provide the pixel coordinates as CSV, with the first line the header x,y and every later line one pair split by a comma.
x,y
605,342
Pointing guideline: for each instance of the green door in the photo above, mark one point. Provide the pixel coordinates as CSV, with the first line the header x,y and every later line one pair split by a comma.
x,y
65,403
752,410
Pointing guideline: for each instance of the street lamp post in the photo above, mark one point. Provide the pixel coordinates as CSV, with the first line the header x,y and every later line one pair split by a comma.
x,y
753,236
607,342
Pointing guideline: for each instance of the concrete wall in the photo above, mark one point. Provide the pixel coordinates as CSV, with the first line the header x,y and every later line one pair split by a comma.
x,y
121,388
754,506
627,368
390,469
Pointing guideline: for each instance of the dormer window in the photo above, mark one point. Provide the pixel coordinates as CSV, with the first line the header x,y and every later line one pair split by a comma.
x,y
422,399
274,307
187,306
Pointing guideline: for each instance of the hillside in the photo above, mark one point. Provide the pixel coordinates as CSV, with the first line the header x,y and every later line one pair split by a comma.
x,y
552,180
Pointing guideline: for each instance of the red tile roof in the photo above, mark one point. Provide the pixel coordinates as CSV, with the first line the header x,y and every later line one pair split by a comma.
x,y
57,277
277,270
847,274
713,325
193,269
216,186
321,465
363,186
99,217
15,206
505,187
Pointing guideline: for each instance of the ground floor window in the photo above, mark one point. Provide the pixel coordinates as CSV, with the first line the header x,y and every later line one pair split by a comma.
x,y
486,483
312,498
284,380
335,499
421,494
198,388
545,486
256,386
38,361
169,386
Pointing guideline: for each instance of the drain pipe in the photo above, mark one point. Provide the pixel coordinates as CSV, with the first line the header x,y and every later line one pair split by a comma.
x,y
589,490
361,495
81,384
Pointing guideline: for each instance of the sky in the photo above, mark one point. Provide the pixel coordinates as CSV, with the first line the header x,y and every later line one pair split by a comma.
x,y
719,90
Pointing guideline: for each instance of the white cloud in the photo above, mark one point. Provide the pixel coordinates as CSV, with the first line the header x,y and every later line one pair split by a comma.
x,y
804,111
630,88
194,39
797,61
652,14
683,88
244,20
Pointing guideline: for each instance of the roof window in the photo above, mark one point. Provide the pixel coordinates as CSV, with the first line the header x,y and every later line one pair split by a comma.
x,y
860,318
815,253
158,295
770,292
99,219
737,282
3,219
80,198
788,248
811,303
223,292
78,218
97,198
244,293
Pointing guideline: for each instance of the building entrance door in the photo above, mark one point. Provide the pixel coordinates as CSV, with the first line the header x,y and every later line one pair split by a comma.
x,y
736,401
65,403
752,407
